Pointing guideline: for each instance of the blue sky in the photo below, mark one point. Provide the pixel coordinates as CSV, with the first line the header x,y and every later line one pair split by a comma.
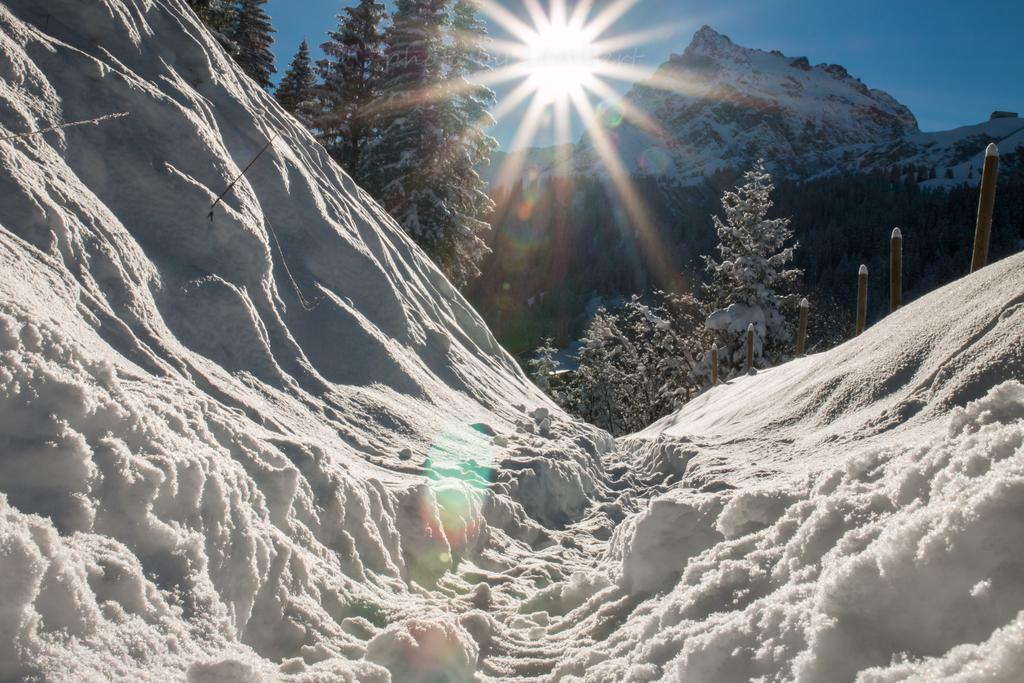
x,y
951,62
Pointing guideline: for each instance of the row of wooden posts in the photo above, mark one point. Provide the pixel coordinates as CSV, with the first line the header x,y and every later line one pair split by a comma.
x,y
979,259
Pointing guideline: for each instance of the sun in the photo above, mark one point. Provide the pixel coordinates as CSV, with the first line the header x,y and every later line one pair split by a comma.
x,y
561,55
561,59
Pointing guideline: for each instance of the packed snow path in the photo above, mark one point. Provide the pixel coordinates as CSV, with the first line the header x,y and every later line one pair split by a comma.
x,y
201,478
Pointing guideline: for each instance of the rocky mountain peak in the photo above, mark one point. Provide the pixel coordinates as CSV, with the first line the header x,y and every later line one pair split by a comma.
x,y
709,42
720,104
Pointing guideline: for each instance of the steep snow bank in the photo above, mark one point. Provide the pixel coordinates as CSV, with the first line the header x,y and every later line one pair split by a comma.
x,y
895,561
902,374
250,441
856,513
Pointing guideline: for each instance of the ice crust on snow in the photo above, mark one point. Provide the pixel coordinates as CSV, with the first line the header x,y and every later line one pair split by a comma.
x,y
202,480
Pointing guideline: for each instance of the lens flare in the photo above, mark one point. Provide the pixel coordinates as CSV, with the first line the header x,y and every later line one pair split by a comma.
x,y
458,469
610,113
564,57
561,58
653,160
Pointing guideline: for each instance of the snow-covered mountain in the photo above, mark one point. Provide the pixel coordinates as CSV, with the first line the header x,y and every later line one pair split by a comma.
x,y
719,103
955,155
278,445
720,106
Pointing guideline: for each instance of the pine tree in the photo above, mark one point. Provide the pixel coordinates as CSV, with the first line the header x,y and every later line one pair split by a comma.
x,y
751,281
469,147
601,386
543,365
638,363
297,89
219,16
351,74
252,33
404,168
675,348
645,331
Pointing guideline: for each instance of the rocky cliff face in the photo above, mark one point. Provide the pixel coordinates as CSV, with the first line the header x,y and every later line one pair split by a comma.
x,y
719,104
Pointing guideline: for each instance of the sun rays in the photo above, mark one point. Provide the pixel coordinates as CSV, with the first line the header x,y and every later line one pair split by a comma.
x,y
557,53
559,68
563,62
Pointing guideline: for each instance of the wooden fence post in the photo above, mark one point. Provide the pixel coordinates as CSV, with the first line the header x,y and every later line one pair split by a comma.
x,y
750,347
895,270
714,364
986,202
801,329
862,299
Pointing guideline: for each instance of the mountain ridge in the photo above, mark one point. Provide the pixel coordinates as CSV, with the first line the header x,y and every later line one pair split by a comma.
x,y
718,106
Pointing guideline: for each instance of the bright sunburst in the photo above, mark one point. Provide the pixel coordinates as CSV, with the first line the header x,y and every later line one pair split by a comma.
x,y
561,60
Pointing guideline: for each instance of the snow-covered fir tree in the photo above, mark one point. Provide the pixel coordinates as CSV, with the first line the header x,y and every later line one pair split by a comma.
x,y
647,333
752,280
402,166
637,363
543,365
297,90
252,33
352,73
601,385
469,147
668,335
219,16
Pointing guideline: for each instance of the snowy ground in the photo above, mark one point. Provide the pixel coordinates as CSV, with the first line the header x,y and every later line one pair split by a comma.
x,y
279,445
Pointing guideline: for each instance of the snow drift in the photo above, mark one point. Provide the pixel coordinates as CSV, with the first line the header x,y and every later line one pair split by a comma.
x,y
244,438
853,514
279,446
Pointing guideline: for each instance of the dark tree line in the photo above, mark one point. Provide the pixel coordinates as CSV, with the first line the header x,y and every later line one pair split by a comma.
x,y
846,221
562,249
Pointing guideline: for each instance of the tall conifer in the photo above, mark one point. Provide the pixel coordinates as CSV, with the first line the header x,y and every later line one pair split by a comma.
x,y
297,89
252,33
400,168
469,147
351,73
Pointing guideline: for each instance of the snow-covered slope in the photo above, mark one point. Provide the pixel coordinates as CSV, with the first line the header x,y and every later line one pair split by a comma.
x,y
957,155
279,446
232,430
853,514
